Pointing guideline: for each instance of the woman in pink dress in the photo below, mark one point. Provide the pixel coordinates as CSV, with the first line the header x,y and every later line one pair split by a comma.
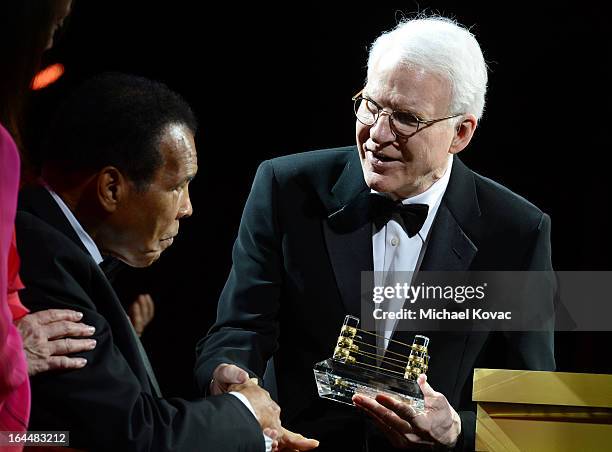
x,y
14,387
26,31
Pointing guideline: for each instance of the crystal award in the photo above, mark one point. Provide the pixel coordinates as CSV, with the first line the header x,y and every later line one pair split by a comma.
x,y
357,366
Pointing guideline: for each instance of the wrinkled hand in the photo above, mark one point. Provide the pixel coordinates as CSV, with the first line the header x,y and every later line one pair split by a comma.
x,y
141,312
438,425
47,339
228,377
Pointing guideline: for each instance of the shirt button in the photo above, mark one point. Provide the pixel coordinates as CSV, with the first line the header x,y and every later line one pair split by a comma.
x,y
394,241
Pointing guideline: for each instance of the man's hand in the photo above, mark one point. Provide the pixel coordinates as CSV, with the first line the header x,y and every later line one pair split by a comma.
x,y
46,339
141,312
268,415
226,375
438,425
289,441
267,411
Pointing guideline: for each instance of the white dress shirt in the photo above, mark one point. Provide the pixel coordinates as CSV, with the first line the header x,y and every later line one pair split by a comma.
x,y
394,251
86,239
93,250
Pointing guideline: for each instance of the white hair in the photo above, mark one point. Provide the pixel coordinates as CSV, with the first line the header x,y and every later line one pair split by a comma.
x,y
444,47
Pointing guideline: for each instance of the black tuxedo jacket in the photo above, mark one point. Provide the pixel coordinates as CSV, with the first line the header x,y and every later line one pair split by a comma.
x,y
110,404
295,277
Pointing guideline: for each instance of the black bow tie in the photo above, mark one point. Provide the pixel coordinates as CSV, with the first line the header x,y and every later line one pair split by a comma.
x,y
373,207
382,210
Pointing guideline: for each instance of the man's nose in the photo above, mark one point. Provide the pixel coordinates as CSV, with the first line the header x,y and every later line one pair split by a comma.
x,y
381,131
186,209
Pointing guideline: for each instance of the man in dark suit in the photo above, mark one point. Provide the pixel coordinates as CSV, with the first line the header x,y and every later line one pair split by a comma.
x,y
311,226
119,160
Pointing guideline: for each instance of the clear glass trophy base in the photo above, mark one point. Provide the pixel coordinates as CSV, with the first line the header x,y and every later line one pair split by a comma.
x,y
339,382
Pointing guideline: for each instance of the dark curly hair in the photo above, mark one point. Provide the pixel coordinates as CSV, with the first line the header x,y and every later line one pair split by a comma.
x,y
114,120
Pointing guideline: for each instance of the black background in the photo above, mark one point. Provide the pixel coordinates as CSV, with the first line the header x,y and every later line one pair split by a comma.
x,y
269,81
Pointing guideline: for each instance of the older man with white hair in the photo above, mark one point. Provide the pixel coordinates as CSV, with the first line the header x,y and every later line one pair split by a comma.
x,y
310,227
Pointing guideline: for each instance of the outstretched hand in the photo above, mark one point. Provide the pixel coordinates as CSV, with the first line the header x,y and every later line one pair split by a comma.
x,y
228,377
405,428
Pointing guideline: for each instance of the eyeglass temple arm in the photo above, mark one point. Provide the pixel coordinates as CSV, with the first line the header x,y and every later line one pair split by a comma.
x,y
431,121
358,94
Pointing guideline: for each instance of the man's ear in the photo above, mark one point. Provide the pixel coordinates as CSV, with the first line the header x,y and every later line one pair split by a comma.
x,y
111,188
464,131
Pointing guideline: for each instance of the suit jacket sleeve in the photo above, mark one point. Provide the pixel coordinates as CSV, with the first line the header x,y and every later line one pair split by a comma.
x,y
104,404
531,350
534,350
246,330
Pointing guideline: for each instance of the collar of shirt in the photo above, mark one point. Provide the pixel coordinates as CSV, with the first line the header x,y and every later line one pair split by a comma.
x,y
85,238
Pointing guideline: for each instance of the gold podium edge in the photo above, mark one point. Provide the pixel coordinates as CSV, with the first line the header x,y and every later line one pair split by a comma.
x,y
542,411
543,388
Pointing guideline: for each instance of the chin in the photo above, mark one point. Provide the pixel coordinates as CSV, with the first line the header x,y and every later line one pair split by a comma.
x,y
150,259
381,183
141,260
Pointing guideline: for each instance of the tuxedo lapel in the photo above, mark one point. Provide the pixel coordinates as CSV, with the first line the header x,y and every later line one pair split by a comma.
x,y
350,253
348,234
448,247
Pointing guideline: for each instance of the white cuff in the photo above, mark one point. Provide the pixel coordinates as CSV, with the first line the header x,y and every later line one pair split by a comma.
x,y
246,402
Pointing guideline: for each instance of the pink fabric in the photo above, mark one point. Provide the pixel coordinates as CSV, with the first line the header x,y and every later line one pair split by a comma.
x,y
14,283
14,384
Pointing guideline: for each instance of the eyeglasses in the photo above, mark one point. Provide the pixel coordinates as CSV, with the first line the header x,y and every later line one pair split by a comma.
x,y
403,123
